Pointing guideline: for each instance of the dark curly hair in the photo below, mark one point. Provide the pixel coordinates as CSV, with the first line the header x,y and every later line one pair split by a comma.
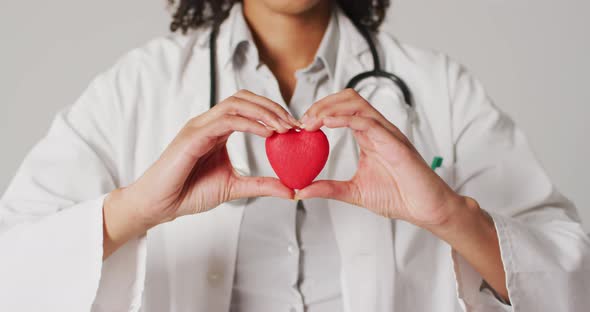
x,y
191,14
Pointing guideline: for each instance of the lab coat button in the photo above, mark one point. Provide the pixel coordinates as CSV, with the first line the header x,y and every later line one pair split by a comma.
x,y
214,277
291,249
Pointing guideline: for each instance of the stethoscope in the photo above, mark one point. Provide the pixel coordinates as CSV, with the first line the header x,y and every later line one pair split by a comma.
x,y
377,72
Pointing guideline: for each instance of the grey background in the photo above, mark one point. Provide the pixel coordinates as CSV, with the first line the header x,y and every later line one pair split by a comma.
x,y
532,55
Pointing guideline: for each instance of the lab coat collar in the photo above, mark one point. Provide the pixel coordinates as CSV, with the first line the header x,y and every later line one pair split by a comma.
x,y
240,35
328,49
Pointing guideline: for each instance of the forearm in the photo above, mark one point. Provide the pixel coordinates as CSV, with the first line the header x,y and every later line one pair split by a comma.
x,y
473,235
120,223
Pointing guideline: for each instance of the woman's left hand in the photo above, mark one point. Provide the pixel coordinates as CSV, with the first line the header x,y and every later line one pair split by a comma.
x,y
394,181
392,178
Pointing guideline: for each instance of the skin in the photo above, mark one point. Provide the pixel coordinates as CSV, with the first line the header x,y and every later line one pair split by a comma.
x,y
287,34
194,174
394,181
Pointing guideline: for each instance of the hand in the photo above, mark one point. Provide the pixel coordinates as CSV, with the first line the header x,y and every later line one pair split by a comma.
x,y
392,178
194,174
394,181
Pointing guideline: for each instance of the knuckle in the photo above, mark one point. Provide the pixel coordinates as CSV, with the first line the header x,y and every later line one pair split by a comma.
x,y
230,105
231,100
350,92
242,92
231,110
192,122
313,110
196,122
227,120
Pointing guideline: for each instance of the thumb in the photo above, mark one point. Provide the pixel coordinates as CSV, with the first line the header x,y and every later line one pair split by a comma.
x,y
339,190
246,187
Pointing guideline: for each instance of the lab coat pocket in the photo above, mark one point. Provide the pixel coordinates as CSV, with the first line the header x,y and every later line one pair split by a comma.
x,y
447,173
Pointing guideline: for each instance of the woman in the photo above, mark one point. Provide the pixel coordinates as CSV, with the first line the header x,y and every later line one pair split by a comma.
x,y
92,219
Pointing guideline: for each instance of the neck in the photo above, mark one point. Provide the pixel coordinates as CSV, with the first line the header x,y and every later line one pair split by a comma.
x,y
287,41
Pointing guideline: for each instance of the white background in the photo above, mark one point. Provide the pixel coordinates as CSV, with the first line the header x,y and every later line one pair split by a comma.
x,y
532,55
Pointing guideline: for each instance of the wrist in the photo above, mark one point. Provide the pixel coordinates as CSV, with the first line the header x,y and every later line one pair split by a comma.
x,y
468,220
122,222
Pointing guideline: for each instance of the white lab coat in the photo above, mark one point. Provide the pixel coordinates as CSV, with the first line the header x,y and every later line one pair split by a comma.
x,y
51,214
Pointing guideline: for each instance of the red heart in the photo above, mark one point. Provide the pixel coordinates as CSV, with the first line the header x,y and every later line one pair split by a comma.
x,y
297,157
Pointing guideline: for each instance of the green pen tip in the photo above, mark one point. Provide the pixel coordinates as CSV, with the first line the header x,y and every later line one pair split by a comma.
x,y
436,162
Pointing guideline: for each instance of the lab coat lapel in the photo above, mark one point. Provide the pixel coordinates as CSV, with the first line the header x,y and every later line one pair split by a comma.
x,y
201,275
364,239
226,219
238,154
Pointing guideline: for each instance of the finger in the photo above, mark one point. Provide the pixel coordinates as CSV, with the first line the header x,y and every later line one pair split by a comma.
x,y
309,119
193,142
342,96
364,124
196,141
269,104
256,111
344,191
246,187
345,102
232,123
241,107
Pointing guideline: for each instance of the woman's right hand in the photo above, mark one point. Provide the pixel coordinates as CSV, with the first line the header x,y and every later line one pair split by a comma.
x,y
194,173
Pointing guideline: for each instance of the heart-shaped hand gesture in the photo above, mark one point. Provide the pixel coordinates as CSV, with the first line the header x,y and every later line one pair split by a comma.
x,y
392,178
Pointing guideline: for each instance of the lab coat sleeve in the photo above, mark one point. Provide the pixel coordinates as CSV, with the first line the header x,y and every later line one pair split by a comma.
x,y
544,249
51,219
